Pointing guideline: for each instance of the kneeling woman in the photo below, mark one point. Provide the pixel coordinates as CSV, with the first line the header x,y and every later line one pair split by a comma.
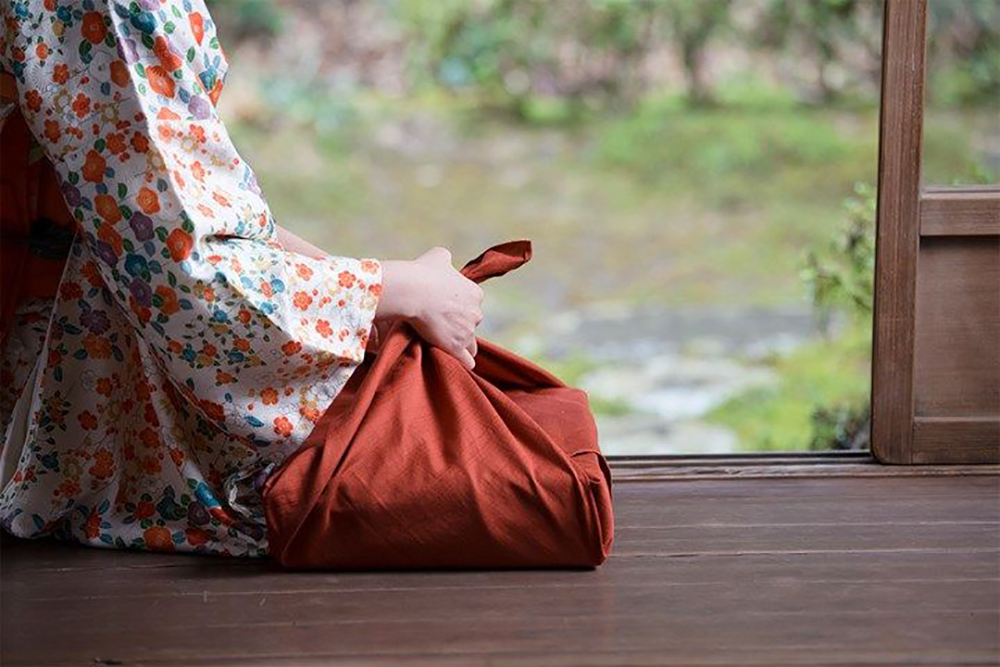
x,y
166,346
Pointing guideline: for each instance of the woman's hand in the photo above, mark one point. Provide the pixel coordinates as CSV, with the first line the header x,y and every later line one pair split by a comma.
x,y
442,305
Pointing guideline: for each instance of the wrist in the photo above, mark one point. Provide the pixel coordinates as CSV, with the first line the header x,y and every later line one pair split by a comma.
x,y
400,291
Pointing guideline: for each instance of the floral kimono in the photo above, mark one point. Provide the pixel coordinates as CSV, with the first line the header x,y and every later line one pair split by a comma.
x,y
183,354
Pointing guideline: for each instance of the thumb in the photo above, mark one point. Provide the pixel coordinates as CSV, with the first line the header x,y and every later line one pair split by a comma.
x,y
467,360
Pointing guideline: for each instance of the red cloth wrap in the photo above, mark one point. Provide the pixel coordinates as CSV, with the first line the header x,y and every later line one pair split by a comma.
x,y
420,463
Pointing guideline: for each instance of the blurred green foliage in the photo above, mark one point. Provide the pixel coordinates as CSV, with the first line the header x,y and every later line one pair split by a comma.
x,y
964,52
247,19
714,179
820,387
823,388
839,274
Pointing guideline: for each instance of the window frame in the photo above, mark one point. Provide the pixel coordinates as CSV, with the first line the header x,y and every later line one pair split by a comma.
x,y
905,211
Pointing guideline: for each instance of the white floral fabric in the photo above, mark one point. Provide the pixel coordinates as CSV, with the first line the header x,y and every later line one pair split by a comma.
x,y
187,353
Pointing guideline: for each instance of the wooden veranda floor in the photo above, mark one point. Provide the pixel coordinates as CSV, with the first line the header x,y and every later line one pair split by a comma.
x,y
882,570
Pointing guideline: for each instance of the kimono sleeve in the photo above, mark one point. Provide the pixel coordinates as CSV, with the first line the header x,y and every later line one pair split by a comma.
x,y
122,98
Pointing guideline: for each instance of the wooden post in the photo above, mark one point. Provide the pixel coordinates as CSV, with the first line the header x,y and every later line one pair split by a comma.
x,y
904,47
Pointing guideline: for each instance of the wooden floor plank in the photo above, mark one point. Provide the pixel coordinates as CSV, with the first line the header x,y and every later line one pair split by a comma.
x,y
899,570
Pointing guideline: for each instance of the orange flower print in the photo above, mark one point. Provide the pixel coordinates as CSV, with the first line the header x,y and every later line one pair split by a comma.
x,y
242,344
140,142
119,73
69,488
149,438
166,56
81,105
304,271
168,300
197,170
302,300
88,421
108,234
33,100
282,426
92,274
42,51
93,526
214,410
213,94
103,465
291,347
179,243
93,168
166,114
160,81
93,27
347,279
158,538
143,510
116,143
97,346
150,465
197,26
107,208
70,291
148,201
195,536
52,131
104,386
369,266
324,329
269,396
177,456
60,73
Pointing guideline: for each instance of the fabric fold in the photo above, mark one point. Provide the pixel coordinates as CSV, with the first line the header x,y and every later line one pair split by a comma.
x,y
420,463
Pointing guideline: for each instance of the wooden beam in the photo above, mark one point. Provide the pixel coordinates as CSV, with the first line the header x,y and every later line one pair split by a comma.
x,y
960,212
897,237
956,440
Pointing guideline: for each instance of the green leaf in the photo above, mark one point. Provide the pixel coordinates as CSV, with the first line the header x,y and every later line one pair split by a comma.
x,y
122,190
190,55
169,27
140,69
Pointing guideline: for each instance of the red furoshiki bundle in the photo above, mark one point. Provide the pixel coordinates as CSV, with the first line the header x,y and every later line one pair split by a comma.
x,y
421,463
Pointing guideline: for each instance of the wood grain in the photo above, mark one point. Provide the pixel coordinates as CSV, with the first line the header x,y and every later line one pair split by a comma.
x,y
957,351
893,570
897,233
960,211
